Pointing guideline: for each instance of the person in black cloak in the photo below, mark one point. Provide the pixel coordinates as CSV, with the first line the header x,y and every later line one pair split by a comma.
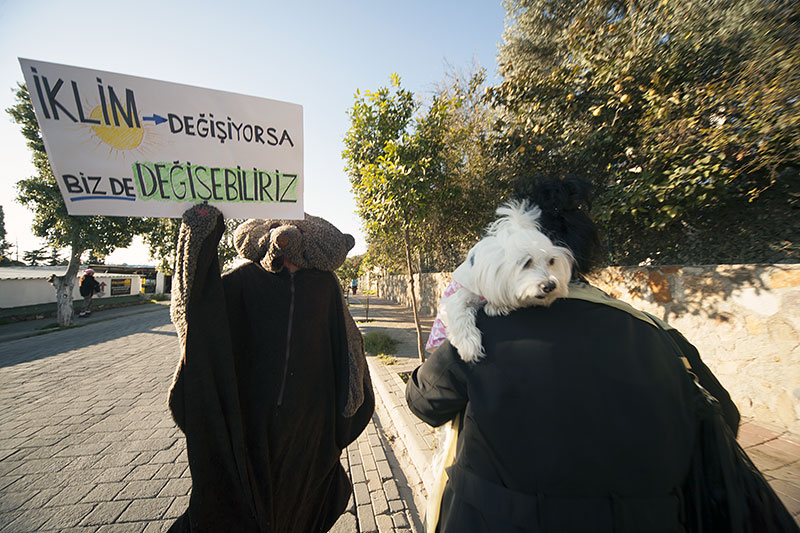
x,y
579,417
89,286
272,382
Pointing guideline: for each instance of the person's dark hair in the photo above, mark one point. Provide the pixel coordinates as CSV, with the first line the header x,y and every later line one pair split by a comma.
x,y
565,204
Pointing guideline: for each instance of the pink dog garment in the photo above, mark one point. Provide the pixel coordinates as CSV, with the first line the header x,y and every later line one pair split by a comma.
x,y
438,332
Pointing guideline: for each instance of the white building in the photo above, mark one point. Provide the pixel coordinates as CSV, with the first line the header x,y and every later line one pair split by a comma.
x,y
21,287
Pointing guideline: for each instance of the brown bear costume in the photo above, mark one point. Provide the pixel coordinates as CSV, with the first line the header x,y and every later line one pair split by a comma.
x,y
272,384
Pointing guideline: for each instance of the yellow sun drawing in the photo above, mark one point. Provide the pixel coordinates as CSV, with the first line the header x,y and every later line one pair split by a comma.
x,y
120,137
119,142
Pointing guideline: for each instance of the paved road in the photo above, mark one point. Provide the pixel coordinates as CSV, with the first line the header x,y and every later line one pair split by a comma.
x,y
87,443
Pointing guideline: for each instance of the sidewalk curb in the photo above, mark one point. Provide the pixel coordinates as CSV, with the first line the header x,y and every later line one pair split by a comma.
x,y
392,396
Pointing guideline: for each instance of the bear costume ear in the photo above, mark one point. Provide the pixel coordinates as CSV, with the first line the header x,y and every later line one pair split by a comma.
x,y
251,239
311,243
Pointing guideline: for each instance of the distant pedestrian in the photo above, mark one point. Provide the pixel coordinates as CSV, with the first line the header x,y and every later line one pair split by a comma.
x,y
88,288
354,285
580,415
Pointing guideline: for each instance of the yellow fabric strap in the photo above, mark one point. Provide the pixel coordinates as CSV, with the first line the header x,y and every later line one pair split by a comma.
x,y
583,291
434,506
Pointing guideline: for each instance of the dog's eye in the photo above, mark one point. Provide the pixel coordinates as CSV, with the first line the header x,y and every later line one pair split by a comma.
x,y
552,261
528,263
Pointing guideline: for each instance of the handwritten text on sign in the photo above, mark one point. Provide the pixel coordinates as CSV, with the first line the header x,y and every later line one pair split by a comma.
x,y
127,146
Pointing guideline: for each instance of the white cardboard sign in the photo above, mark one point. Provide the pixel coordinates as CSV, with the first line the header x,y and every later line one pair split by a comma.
x,y
127,146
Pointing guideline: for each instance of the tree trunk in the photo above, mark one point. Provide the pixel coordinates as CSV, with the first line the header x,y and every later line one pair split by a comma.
x,y
64,285
420,345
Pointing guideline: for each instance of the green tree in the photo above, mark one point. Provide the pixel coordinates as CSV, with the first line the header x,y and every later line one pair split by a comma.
x,y
226,251
40,193
95,258
472,185
54,259
395,169
685,113
350,269
161,238
34,257
4,244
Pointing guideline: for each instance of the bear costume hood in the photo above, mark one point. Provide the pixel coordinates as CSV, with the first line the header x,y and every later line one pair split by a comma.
x,y
309,243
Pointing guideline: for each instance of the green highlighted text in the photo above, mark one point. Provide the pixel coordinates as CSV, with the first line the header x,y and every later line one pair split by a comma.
x,y
178,181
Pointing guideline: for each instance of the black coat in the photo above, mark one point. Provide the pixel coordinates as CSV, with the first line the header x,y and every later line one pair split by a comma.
x,y
89,286
258,393
577,419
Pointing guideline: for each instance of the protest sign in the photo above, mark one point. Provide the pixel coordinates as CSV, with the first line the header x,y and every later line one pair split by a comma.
x,y
127,146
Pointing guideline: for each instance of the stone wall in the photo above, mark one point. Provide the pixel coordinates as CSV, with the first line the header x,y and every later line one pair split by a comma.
x,y
744,320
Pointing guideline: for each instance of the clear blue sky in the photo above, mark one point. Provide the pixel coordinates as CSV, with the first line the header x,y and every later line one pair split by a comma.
x,y
314,53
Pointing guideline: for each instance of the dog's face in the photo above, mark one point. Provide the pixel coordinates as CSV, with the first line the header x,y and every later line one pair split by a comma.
x,y
516,265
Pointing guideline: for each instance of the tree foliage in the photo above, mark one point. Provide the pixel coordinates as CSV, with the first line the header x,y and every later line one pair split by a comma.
x,y
161,239
685,113
393,159
384,173
4,244
51,221
54,258
35,257
350,269
425,182
472,185
442,178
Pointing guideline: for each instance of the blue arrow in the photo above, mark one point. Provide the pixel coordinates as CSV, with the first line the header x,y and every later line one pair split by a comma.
x,y
155,118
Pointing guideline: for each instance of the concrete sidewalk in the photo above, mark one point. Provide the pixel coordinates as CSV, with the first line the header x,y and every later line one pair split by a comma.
x,y
775,452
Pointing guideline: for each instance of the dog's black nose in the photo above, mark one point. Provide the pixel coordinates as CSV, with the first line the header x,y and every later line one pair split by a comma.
x,y
547,286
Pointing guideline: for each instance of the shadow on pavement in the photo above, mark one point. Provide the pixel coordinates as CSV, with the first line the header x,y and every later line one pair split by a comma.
x,y
40,344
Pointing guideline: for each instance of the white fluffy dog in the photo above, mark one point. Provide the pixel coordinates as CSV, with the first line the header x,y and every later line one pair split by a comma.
x,y
515,265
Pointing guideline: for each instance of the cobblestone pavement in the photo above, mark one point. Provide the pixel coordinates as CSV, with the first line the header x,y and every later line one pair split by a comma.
x,y
87,443
377,505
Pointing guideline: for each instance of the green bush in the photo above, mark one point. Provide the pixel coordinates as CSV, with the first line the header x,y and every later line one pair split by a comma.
x,y
378,342
386,359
